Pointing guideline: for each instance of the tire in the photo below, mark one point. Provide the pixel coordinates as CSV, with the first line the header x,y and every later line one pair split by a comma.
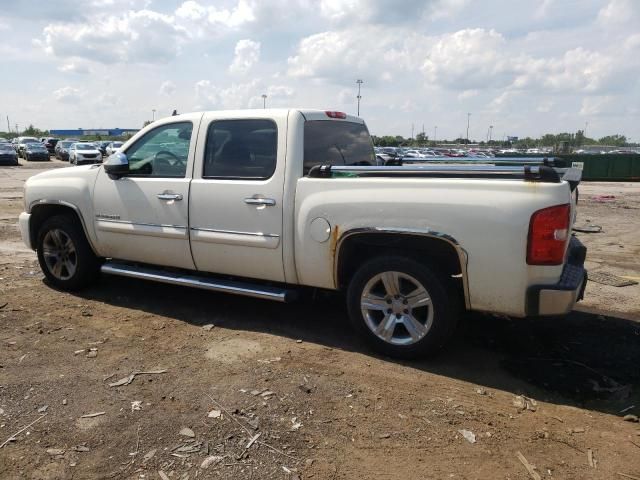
x,y
391,321
65,255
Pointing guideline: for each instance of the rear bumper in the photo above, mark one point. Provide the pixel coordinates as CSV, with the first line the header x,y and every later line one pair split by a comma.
x,y
559,299
23,222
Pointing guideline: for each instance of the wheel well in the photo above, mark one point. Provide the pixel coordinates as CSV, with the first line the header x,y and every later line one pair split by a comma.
x,y
40,213
438,253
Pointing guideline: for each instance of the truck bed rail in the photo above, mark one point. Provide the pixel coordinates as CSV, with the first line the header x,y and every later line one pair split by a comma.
x,y
537,173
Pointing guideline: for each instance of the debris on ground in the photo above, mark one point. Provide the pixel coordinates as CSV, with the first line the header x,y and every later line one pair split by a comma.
x,y
163,475
13,437
54,452
590,458
525,403
631,418
43,408
606,278
208,327
80,448
211,460
136,405
187,432
603,198
214,414
92,353
588,229
128,379
468,435
530,468
91,415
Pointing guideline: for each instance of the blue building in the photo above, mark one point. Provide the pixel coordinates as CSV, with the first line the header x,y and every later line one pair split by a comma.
x,y
103,132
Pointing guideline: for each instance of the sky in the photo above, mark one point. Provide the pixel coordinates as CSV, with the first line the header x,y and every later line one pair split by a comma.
x,y
527,67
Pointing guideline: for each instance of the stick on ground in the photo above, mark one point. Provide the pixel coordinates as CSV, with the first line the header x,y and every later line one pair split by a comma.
x,y
535,475
12,437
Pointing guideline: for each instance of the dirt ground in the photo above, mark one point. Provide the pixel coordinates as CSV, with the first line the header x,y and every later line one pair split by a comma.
x,y
288,391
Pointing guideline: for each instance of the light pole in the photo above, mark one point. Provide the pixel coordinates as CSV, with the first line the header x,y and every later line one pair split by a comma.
x,y
359,82
153,114
586,124
468,117
435,134
490,132
264,100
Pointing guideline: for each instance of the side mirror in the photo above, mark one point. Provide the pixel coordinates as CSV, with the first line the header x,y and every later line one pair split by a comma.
x,y
117,165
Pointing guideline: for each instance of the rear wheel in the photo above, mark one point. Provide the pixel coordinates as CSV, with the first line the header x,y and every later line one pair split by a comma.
x,y
65,255
401,307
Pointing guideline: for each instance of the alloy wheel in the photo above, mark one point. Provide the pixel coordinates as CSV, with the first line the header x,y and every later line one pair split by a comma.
x,y
397,308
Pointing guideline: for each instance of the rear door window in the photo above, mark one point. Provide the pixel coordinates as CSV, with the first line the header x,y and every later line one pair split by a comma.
x,y
241,149
330,142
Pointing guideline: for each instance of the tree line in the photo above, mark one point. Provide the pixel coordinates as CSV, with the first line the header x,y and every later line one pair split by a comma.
x,y
575,140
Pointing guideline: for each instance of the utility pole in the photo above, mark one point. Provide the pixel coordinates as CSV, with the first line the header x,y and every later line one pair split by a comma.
x,y
8,125
412,131
359,82
264,100
435,134
490,132
153,114
468,117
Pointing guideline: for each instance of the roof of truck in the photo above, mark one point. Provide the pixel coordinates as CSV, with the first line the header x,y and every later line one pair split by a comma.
x,y
308,113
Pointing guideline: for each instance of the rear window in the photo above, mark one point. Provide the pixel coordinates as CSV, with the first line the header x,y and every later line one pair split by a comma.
x,y
329,142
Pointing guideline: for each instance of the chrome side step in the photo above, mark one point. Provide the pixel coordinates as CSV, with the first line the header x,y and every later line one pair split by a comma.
x,y
205,283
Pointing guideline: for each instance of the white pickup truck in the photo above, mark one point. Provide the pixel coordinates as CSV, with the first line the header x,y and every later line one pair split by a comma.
x,y
267,202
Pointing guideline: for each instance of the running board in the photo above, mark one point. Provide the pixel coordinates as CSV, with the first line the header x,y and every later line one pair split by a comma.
x,y
212,284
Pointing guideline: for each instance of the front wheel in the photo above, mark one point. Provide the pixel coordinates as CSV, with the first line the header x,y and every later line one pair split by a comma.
x,y
401,307
65,255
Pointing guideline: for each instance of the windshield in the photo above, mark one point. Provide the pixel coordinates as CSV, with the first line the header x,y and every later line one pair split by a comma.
x,y
35,146
28,140
85,146
6,148
116,144
328,142
66,144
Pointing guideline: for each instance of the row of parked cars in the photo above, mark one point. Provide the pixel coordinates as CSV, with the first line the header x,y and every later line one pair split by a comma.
x,y
72,150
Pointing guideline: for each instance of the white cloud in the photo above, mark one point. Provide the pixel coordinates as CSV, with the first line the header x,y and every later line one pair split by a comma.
x,y
75,67
67,94
167,88
137,36
210,19
618,12
247,54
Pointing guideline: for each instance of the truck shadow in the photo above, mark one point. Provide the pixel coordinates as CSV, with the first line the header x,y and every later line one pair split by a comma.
x,y
586,359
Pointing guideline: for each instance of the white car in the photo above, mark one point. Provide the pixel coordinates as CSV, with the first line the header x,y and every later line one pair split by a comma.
x,y
272,202
113,147
84,152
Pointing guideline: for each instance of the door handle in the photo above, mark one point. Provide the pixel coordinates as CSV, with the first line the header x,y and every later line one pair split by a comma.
x,y
169,196
267,202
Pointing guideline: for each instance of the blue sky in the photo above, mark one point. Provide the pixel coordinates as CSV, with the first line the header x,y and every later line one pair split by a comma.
x,y
525,67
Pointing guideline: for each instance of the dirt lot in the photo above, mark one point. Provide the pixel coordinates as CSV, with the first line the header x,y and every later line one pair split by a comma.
x,y
323,406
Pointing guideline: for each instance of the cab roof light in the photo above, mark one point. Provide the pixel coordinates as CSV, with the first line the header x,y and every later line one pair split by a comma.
x,y
340,115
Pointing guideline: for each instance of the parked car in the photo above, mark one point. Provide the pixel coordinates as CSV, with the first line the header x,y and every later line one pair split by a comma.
x,y
270,203
8,155
20,143
61,150
50,144
35,151
113,147
84,152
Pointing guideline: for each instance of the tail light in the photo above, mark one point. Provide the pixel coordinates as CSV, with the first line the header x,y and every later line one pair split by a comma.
x,y
548,235
340,115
